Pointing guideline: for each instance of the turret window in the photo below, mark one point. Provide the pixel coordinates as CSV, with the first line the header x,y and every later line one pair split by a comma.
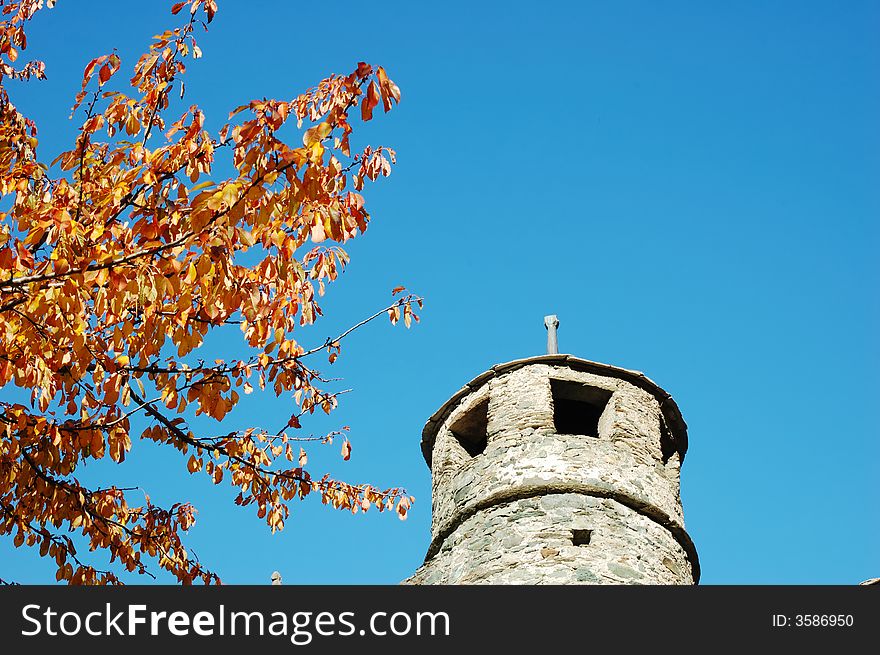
x,y
472,427
577,407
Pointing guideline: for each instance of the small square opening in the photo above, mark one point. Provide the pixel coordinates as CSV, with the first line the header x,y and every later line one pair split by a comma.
x,y
581,537
471,429
577,407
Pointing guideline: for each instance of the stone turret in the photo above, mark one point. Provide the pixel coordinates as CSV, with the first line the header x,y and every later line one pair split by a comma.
x,y
557,470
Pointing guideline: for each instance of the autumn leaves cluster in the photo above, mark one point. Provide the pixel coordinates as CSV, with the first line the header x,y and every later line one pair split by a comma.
x,y
121,255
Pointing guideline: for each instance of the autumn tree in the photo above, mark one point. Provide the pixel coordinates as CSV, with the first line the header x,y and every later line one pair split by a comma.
x,y
119,256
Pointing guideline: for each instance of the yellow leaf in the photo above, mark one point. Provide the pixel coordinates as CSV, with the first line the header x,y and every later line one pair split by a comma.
x,y
317,133
202,185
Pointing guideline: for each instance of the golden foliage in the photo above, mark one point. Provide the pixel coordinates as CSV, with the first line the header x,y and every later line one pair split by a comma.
x,y
113,272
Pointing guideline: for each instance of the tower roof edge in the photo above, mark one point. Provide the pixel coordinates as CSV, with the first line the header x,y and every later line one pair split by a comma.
x,y
671,413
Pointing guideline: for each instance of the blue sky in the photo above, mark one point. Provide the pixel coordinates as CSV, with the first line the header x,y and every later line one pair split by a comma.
x,y
692,188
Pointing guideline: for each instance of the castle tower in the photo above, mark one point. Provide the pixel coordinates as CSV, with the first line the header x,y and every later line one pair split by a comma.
x,y
557,470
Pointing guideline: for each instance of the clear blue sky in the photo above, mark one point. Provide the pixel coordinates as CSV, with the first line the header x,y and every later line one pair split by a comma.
x,y
692,188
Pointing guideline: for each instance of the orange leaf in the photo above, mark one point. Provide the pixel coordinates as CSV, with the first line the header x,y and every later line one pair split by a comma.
x,y
389,89
90,68
237,110
371,99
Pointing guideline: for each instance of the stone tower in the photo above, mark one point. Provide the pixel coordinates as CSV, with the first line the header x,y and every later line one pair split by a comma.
x,y
557,470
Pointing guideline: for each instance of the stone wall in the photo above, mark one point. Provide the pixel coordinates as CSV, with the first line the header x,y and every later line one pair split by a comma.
x,y
529,541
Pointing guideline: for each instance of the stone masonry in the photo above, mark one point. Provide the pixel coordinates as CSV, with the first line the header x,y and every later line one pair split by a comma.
x,y
557,470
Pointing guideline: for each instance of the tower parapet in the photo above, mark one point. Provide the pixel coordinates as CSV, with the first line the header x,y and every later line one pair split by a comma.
x,y
557,470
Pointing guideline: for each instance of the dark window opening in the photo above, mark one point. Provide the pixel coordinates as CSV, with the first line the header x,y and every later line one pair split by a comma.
x,y
581,537
471,429
577,407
